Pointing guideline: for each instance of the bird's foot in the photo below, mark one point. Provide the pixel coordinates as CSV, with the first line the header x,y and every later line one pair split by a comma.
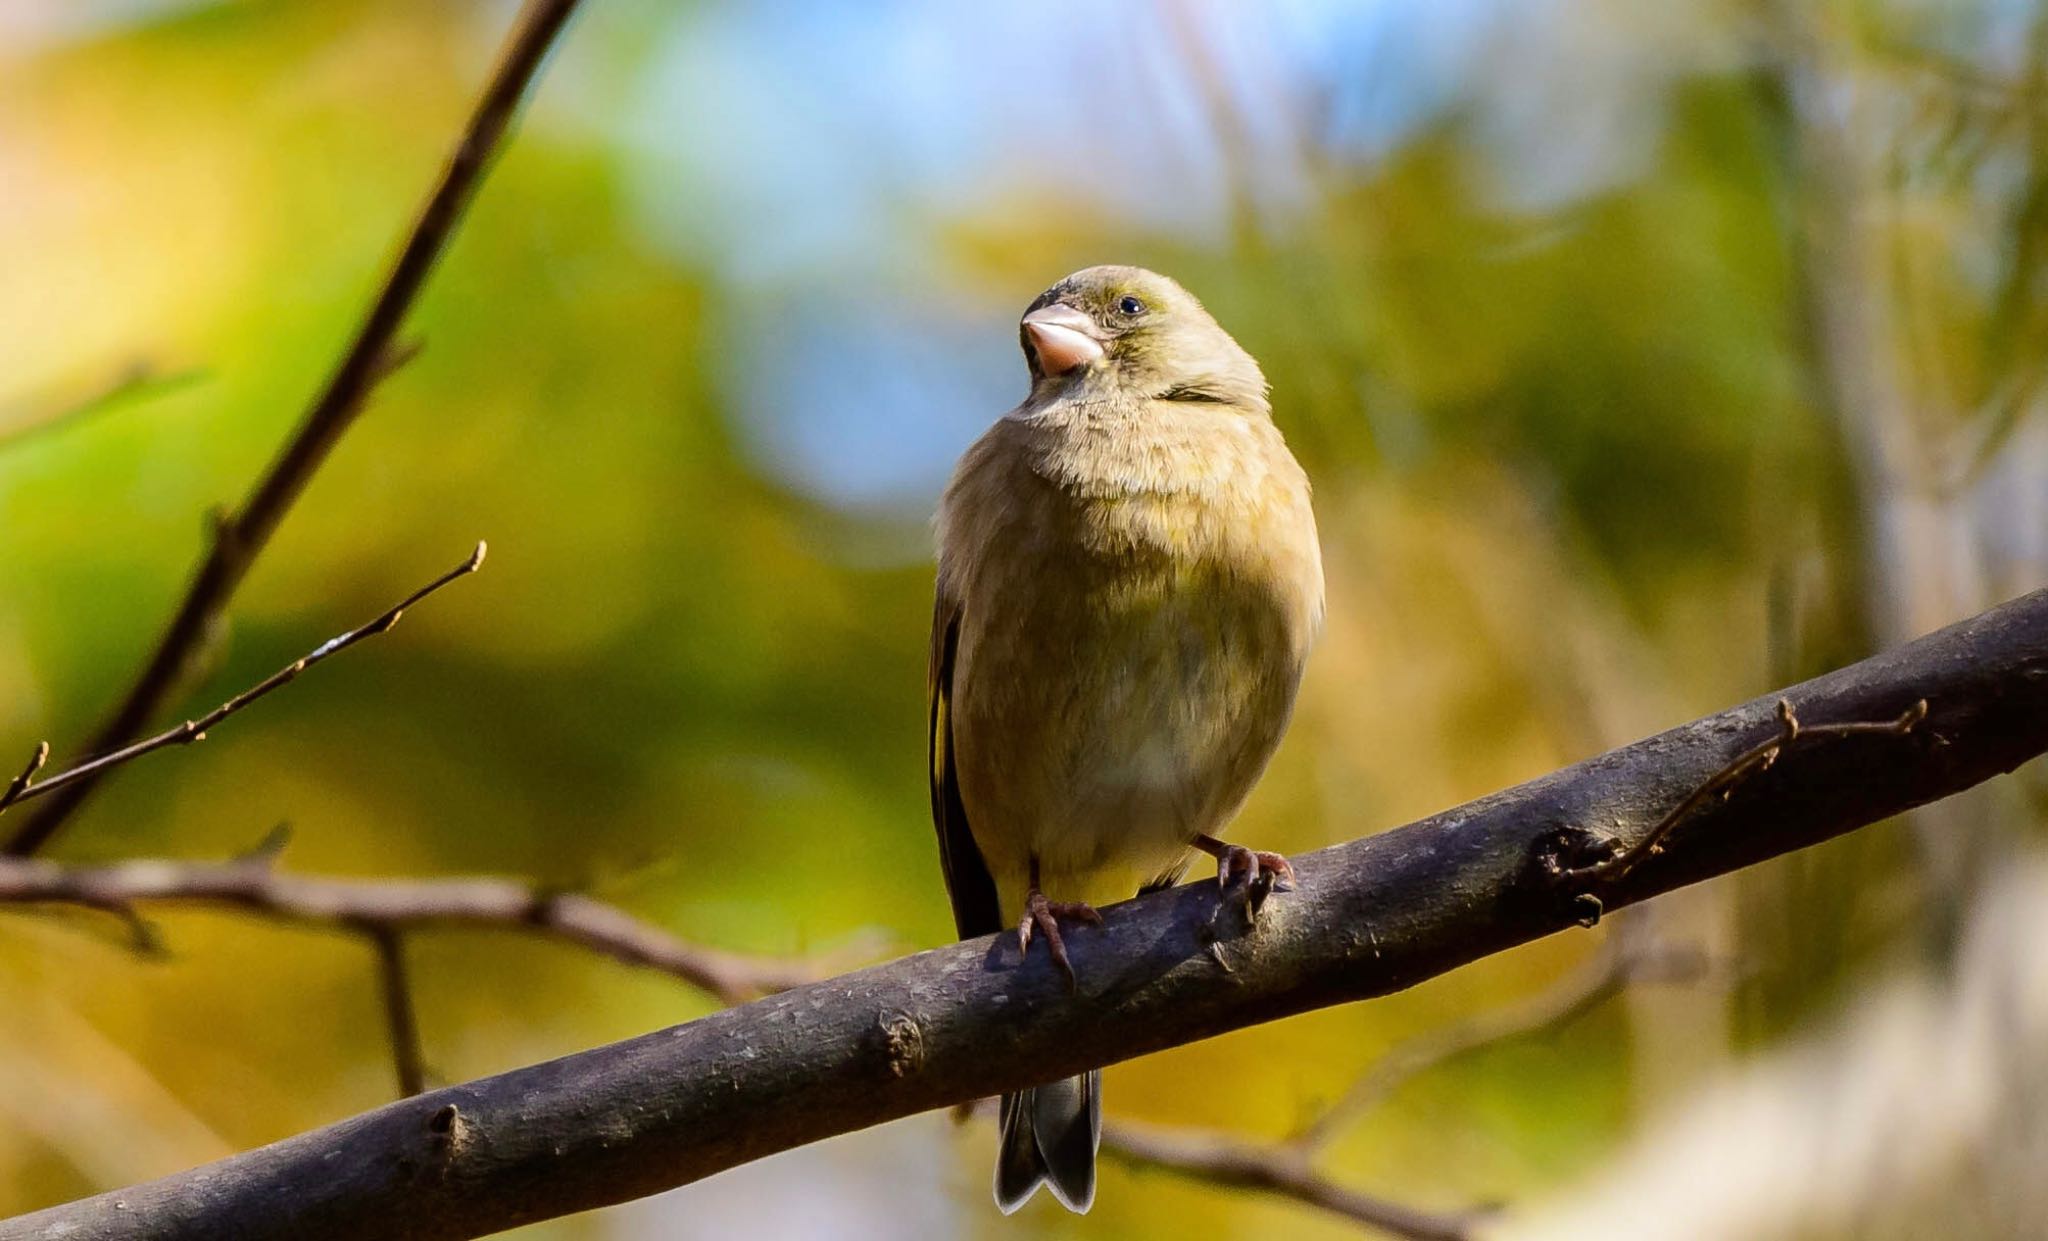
x,y
1247,876
1042,918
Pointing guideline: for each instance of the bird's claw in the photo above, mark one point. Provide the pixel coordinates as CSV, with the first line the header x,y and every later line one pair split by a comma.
x,y
1247,876
1042,917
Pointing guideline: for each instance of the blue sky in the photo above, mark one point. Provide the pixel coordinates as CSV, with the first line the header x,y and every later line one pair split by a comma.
x,y
805,152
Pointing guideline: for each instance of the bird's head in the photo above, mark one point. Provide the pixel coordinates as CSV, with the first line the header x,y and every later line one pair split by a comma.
x,y
1125,331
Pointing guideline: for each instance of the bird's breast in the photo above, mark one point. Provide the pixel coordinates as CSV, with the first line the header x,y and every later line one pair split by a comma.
x,y
1129,649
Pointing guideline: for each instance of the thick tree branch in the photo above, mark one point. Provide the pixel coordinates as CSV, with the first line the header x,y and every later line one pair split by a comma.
x,y
967,1020
370,355
388,908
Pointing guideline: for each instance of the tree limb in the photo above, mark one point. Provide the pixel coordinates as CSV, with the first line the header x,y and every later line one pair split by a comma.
x,y
967,1020
370,355
380,908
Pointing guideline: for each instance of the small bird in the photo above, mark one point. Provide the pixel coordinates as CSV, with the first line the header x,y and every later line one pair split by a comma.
x,y
1128,585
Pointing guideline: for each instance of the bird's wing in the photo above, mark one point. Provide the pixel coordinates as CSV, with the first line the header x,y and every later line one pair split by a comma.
x,y
975,909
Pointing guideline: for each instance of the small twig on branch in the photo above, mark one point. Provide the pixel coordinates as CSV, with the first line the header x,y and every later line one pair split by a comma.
x,y
1614,968
400,1017
24,788
392,906
18,787
1219,1159
1723,783
369,357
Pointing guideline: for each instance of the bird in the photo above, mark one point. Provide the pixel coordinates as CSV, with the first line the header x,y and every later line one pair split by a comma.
x,y
1128,586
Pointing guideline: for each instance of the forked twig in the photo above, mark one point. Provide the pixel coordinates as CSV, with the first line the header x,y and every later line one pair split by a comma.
x,y
17,788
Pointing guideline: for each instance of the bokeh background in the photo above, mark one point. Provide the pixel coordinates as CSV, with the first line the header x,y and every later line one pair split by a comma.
x,y
1645,357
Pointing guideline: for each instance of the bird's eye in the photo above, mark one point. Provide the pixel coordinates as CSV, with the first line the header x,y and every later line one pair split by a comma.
x,y
1131,306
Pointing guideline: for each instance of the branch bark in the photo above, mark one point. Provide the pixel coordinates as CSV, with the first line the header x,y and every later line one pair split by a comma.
x,y
967,1021
371,354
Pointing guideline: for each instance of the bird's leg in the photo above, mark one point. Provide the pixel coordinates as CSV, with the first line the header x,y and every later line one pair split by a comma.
x,y
1246,875
1042,917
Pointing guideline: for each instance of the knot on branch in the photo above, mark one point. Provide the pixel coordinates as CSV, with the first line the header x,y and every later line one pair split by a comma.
x,y
448,1131
1557,859
1567,851
903,1041
544,903
428,1149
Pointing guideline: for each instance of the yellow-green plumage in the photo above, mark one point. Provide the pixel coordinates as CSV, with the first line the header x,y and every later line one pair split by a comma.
x,y
1128,585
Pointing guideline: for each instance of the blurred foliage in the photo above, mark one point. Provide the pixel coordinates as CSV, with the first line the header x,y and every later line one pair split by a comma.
x,y
1534,287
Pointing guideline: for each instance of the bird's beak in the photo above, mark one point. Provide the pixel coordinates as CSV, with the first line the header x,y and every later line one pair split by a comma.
x,y
1063,338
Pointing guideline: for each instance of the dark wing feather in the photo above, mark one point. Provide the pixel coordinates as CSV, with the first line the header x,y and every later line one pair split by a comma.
x,y
975,909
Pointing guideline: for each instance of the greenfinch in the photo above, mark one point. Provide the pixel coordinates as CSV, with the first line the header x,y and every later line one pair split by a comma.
x,y
1128,584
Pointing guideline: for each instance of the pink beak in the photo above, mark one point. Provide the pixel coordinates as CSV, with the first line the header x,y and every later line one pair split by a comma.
x,y
1063,338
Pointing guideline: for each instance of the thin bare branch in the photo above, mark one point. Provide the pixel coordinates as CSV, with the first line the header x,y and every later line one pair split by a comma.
x,y
24,788
1617,965
1283,1170
369,356
1220,1159
400,1018
391,906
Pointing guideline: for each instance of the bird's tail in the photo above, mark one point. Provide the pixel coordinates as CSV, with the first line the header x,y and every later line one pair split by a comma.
x,y
1049,1136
